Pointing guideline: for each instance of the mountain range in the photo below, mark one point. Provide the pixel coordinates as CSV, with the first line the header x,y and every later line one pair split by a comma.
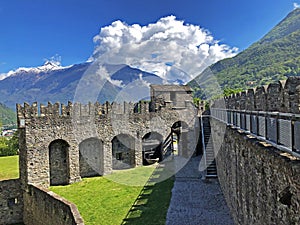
x,y
54,83
274,57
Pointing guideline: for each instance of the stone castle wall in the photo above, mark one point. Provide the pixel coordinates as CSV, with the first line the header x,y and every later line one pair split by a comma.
x,y
261,185
59,144
43,207
75,124
283,96
11,202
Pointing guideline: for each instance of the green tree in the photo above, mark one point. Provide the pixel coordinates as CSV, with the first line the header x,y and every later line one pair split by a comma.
x,y
13,143
230,91
9,146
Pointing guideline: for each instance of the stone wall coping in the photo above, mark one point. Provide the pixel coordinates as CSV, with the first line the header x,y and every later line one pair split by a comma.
x,y
76,214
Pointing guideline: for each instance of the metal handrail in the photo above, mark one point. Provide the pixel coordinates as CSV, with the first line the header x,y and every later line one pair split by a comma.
x,y
276,128
203,144
167,142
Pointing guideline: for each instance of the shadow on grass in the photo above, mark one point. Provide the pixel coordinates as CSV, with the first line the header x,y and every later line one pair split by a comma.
x,y
152,204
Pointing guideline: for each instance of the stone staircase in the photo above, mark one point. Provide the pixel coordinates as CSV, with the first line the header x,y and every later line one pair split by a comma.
x,y
208,150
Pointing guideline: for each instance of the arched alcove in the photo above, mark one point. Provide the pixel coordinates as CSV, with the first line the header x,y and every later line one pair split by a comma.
x,y
91,157
123,151
59,162
152,147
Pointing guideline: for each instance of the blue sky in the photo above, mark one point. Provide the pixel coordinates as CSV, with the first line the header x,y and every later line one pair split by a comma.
x,y
34,30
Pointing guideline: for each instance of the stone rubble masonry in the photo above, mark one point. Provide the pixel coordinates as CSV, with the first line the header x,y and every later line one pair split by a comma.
x,y
43,207
261,184
74,124
11,202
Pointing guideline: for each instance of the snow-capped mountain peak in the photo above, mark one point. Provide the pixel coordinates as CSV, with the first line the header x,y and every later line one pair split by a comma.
x,y
48,66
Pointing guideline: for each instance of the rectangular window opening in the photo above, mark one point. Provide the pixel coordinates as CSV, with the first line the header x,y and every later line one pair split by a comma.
x,y
11,202
119,156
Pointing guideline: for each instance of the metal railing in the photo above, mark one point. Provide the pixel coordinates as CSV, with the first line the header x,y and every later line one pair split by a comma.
x,y
282,130
168,142
203,144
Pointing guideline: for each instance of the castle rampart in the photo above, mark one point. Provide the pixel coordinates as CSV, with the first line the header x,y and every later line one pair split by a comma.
x,y
258,158
68,127
261,184
282,96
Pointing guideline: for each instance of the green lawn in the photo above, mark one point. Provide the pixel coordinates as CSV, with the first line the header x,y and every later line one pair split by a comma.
x,y
152,205
116,198
9,167
124,197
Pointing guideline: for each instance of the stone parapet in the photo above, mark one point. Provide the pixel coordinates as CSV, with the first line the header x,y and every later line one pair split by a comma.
x,y
283,96
28,111
43,207
11,202
260,183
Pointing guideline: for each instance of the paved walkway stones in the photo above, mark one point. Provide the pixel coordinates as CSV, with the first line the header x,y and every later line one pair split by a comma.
x,y
195,201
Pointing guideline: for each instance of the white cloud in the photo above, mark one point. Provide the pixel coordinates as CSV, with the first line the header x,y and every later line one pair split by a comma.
x,y
161,47
134,91
105,76
296,5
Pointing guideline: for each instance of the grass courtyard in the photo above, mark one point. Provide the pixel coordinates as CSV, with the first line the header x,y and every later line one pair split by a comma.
x,y
9,167
124,197
120,198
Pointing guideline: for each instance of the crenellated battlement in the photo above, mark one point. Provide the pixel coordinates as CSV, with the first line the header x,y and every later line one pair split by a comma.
x,y
282,96
77,109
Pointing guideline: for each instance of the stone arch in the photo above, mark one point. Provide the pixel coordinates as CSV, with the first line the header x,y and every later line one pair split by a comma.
x,y
123,151
179,131
152,147
59,162
91,157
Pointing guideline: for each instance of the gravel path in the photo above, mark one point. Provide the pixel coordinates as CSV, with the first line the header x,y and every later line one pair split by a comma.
x,y
195,201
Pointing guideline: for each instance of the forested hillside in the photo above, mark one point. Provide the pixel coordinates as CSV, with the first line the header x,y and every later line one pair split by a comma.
x,y
7,116
275,57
